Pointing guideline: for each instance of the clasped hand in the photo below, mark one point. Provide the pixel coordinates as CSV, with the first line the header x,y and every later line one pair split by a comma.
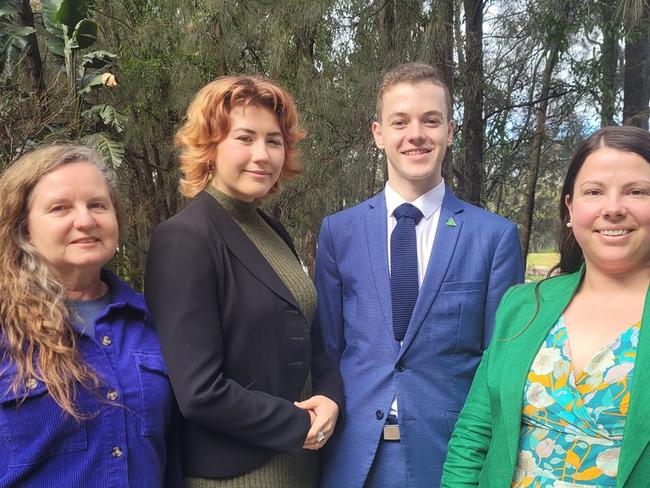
x,y
323,414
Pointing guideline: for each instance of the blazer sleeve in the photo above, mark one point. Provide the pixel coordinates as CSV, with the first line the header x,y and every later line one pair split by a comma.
x,y
181,284
326,377
507,270
328,324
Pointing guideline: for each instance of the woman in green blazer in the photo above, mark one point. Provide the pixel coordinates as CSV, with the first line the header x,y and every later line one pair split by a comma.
x,y
562,395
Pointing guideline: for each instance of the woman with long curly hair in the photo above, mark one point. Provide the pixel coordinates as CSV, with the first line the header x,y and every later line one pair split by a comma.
x,y
232,303
84,394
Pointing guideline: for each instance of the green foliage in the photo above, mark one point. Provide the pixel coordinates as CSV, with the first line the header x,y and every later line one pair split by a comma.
x,y
84,34
98,59
108,116
113,151
330,56
70,13
12,37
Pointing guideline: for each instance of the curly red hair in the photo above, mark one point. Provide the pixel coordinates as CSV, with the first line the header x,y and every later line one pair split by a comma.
x,y
208,123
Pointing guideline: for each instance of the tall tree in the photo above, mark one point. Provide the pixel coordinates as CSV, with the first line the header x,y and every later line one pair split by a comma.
x,y
437,49
557,27
636,89
609,22
469,168
32,56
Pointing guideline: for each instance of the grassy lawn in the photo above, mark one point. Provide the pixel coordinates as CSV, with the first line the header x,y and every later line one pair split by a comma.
x,y
539,263
545,259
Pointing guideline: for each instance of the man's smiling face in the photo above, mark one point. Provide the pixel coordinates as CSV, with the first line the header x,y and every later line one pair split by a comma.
x,y
414,131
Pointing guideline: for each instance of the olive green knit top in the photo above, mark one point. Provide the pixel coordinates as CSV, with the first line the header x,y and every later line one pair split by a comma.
x,y
273,248
299,470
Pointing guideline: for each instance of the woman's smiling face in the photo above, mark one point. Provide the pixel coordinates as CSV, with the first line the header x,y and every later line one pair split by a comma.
x,y
610,210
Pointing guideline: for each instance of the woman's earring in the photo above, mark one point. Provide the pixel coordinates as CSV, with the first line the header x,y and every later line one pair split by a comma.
x,y
209,164
569,224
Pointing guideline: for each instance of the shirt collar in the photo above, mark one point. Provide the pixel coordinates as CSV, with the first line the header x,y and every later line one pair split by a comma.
x,y
428,203
122,294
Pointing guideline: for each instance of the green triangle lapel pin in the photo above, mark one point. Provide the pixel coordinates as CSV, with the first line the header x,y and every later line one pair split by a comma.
x,y
450,222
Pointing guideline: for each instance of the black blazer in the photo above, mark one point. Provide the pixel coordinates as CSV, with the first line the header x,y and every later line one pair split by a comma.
x,y
237,346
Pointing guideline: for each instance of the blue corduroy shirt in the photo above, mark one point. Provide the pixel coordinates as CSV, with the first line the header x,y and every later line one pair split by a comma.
x,y
123,443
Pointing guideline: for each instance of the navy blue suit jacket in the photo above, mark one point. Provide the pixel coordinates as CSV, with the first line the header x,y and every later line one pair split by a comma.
x,y
475,258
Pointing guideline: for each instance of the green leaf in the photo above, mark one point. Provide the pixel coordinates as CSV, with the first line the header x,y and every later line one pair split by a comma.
x,y
71,12
98,59
7,12
11,53
85,33
52,26
112,150
12,43
8,8
108,115
24,31
55,46
17,42
93,82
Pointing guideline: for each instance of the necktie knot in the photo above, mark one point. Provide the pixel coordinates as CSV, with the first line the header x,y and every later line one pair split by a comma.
x,y
409,211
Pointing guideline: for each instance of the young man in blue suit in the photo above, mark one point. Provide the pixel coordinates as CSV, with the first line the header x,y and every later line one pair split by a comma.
x,y
407,295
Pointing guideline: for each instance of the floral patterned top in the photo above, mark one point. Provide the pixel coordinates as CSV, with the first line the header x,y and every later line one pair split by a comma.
x,y
572,426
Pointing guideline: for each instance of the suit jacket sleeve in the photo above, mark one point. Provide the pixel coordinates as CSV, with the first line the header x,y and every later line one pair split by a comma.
x,y
329,313
507,270
181,285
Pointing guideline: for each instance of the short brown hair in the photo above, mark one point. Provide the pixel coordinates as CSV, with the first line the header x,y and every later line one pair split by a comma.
x,y
208,124
413,73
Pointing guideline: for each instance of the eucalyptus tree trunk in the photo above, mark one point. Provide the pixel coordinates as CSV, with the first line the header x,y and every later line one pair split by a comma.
x,y
32,55
536,151
469,170
636,88
441,49
609,25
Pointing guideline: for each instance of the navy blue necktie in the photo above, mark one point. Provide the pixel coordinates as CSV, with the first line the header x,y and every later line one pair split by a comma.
x,y
404,267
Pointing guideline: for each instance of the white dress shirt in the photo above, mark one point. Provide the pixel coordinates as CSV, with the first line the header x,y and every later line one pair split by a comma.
x,y
425,232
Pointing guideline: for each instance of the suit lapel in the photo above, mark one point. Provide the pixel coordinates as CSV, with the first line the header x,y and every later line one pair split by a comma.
x,y
376,235
439,260
520,351
245,251
637,427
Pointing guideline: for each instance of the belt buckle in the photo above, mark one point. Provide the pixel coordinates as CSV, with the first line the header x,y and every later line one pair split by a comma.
x,y
391,432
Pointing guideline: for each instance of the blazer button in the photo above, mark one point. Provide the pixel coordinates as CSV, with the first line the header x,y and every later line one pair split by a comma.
x,y
399,367
379,414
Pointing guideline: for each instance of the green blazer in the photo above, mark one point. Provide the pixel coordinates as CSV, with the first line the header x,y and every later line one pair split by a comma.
x,y
484,447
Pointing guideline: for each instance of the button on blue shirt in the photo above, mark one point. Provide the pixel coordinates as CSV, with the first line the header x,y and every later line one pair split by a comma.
x,y
123,441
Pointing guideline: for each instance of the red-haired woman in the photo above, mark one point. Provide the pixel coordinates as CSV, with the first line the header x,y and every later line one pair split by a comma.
x,y
232,303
